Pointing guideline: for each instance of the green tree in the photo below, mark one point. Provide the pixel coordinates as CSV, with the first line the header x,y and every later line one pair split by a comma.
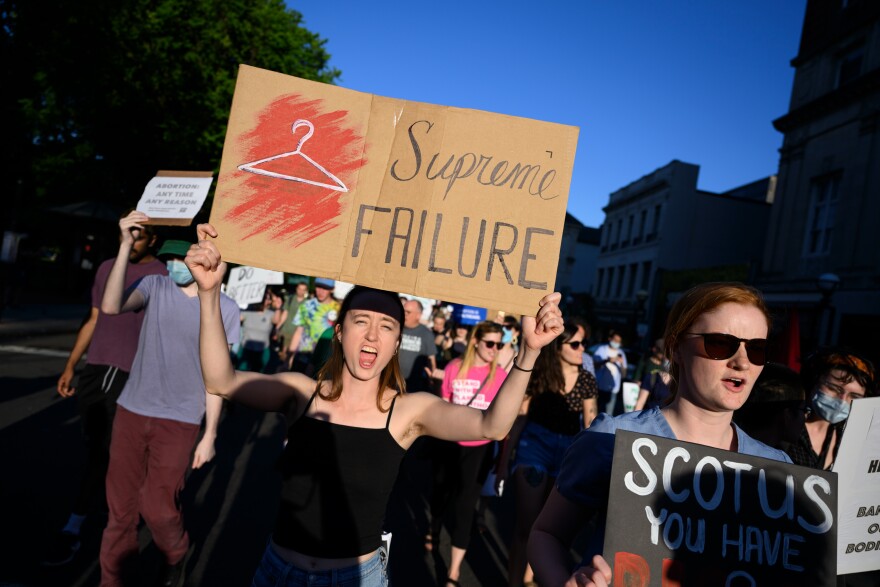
x,y
105,92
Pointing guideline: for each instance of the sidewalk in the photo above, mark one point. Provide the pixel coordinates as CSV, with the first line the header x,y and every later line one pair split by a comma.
x,y
33,319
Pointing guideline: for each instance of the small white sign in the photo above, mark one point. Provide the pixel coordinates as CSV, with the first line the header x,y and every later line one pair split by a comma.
x,y
247,285
858,480
174,197
630,393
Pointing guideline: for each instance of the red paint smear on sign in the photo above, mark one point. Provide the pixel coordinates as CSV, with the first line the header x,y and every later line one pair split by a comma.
x,y
293,211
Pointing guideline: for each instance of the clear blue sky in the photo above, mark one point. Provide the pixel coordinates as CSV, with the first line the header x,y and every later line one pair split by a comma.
x,y
646,81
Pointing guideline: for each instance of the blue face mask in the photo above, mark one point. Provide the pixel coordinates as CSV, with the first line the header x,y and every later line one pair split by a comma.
x,y
614,344
832,409
507,336
179,272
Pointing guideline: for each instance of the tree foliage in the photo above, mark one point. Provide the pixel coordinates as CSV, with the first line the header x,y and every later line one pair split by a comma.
x,y
105,92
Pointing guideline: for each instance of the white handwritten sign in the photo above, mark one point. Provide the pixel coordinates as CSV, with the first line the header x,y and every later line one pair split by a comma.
x,y
247,285
858,470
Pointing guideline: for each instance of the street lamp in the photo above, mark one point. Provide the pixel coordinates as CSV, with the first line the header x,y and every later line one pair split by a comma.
x,y
827,284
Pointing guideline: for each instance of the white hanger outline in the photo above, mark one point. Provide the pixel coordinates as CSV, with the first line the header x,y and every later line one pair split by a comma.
x,y
251,167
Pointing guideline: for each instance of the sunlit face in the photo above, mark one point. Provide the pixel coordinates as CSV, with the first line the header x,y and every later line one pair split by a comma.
x,y
832,384
484,353
567,351
322,294
412,313
720,385
369,340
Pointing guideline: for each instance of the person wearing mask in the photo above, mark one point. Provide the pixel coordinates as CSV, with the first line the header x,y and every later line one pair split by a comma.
x,y
716,339
509,341
610,364
160,409
350,428
833,378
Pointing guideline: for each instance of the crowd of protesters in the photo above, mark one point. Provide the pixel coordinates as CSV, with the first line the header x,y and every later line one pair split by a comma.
x,y
507,398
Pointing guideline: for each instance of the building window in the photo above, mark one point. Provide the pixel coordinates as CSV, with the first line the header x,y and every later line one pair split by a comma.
x,y
646,275
849,64
631,282
820,222
599,281
629,232
608,283
657,218
643,218
619,287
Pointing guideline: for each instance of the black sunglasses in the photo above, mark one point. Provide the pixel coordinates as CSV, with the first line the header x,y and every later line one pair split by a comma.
x,y
720,346
575,344
490,344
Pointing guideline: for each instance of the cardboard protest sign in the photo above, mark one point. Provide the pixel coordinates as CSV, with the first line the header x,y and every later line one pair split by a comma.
x,y
858,472
247,285
173,198
434,201
686,514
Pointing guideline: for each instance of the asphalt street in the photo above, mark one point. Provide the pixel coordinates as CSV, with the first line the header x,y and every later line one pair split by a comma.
x,y
229,505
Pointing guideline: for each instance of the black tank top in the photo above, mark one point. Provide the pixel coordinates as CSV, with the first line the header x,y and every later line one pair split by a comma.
x,y
336,481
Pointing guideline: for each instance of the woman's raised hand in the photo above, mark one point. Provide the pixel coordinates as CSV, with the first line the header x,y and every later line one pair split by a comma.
x,y
204,261
547,324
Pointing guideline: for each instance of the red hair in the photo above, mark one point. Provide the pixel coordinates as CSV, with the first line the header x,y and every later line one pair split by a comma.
x,y
697,301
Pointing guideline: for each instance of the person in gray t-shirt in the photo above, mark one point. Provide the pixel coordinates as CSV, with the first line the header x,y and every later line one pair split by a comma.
x,y
159,411
418,353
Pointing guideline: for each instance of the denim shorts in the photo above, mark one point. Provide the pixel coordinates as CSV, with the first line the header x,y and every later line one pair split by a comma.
x,y
541,449
274,571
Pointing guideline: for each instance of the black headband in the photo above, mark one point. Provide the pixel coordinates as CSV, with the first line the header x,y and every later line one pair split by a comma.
x,y
380,301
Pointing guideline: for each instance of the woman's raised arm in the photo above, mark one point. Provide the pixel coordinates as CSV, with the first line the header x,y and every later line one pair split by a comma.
x,y
263,392
451,422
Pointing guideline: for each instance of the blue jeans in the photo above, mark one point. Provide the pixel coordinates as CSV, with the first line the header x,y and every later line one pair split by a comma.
x,y
274,571
541,449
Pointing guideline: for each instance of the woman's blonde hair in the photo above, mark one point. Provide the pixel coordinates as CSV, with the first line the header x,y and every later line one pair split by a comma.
x,y
391,376
467,360
695,302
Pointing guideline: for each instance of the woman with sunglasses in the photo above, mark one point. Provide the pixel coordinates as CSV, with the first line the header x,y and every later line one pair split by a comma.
x,y
716,340
461,467
559,403
350,428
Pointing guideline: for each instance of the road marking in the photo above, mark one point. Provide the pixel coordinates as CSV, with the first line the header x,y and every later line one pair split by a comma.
x,y
26,350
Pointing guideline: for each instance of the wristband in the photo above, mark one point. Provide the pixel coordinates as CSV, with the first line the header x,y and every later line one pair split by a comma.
x,y
518,368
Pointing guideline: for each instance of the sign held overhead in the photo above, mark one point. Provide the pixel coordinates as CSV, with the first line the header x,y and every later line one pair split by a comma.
x,y
434,201
173,198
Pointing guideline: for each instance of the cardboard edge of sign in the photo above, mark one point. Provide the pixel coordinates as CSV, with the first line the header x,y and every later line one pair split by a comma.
x,y
177,221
